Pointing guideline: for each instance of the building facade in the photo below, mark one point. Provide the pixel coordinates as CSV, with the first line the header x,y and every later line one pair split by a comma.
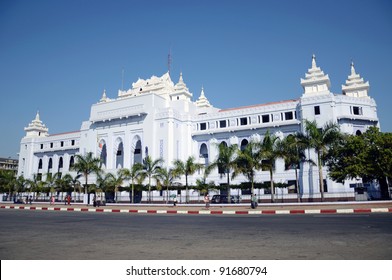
x,y
157,117
9,164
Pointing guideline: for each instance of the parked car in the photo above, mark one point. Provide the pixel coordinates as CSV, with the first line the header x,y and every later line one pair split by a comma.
x,y
222,198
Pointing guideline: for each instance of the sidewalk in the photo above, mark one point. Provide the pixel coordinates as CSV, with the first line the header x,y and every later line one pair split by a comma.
x,y
217,209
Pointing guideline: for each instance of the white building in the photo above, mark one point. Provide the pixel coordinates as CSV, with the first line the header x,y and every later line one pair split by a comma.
x,y
157,117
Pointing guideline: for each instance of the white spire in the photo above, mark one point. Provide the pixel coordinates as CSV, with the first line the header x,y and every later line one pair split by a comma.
x,y
314,61
104,97
36,128
37,116
352,69
202,101
355,85
315,82
181,91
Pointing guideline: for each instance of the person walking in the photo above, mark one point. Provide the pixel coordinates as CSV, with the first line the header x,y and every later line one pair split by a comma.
x,y
52,200
175,201
253,203
69,200
207,200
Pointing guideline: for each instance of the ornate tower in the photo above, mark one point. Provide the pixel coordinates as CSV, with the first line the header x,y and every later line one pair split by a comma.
x,y
315,82
355,85
36,128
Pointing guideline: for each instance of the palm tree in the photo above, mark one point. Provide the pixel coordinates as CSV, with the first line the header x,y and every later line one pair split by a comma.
x,y
50,181
8,180
320,139
74,181
202,185
36,185
292,150
150,170
115,181
268,155
133,174
187,168
20,184
226,162
86,164
103,182
166,178
248,162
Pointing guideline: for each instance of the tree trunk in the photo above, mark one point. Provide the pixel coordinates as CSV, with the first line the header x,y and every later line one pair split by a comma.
x,y
133,194
272,186
228,187
384,188
86,189
297,185
321,177
149,189
186,191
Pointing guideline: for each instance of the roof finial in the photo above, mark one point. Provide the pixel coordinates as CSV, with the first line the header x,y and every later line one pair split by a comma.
x,y
37,116
314,61
352,68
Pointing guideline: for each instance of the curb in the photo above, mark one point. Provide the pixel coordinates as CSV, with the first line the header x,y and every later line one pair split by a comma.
x,y
205,212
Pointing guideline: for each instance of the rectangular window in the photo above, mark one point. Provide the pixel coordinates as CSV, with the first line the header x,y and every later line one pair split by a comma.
x,y
203,126
265,118
62,143
73,142
42,146
222,124
288,115
244,121
357,110
317,110
51,145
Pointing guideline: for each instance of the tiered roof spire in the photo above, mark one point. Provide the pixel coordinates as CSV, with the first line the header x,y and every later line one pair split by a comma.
x,y
202,101
36,128
104,98
315,82
180,90
355,85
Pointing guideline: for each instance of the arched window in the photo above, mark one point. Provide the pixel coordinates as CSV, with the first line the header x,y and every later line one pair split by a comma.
x,y
137,154
40,163
120,156
71,162
223,143
358,133
50,165
203,153
244,143
103,156
60,162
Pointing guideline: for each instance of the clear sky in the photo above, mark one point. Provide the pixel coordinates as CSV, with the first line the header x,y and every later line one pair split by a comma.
x,y
58,56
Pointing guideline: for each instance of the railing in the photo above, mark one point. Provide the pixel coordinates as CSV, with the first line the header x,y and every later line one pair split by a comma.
x,y
196,198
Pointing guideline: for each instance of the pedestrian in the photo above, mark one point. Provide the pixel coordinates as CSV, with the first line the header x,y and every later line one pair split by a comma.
x,y
175,201
69,199
65,200
207,200
52,200
98,201
31,199
94,201
253,202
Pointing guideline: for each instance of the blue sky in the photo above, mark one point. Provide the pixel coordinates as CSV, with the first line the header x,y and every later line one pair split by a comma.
x,y
58,56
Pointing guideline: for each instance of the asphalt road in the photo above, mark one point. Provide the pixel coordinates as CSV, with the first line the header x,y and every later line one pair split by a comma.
x,y
45,235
